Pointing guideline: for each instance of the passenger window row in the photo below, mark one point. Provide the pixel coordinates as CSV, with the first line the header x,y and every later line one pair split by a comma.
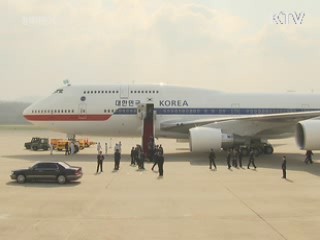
x,y
116,91
100,91
54,111
144,91
108,110
127,110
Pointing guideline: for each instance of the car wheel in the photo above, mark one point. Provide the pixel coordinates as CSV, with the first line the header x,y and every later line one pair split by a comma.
x,y
61,179
35,148
21,178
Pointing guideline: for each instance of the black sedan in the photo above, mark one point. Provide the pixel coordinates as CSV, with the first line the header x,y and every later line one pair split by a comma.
x,y
48,171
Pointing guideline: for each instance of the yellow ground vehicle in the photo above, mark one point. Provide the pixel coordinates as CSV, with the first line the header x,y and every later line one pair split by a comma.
x,y
85,143
61,144
54,142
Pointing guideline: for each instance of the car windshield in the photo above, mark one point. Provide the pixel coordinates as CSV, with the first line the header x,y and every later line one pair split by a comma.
x,y
65,165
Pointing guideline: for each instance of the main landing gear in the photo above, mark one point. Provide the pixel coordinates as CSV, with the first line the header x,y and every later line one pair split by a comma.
x,y
259,148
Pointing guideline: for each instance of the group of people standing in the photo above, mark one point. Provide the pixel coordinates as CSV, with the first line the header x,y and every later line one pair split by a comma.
x,y
117,157
158,159
70,148
137,157
155,154
236,156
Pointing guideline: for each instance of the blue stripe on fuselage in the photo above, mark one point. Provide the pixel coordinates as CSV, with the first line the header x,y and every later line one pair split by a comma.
x,y
216,111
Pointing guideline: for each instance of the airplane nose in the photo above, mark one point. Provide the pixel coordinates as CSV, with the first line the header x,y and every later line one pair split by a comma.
x,y
26,113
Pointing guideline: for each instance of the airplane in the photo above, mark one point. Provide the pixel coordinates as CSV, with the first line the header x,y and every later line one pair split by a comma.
x,y
205,118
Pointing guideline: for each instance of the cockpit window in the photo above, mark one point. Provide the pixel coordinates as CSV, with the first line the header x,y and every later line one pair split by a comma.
x,y
60,90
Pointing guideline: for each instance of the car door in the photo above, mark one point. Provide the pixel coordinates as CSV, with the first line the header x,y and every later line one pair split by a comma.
x,y
50,171
36,172
44,171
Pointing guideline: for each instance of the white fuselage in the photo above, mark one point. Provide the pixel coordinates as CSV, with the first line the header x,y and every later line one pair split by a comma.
x,y
114,110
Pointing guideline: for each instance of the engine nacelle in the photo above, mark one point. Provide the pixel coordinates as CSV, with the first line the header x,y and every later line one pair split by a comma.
x,y
202,139
308,134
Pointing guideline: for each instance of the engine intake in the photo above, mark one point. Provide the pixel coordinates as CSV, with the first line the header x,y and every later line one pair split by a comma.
x,y
308,134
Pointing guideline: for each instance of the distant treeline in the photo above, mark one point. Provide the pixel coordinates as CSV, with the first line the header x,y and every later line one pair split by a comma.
x,y
11,112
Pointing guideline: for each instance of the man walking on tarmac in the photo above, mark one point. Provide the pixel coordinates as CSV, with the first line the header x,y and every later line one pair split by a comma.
x,y
160,163
251,159
212,158
284,167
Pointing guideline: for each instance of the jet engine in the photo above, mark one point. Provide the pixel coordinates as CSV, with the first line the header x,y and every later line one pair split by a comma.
x,y
202,139
308,134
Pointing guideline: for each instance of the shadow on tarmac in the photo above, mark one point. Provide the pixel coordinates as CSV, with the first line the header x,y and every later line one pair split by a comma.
x,y
42,184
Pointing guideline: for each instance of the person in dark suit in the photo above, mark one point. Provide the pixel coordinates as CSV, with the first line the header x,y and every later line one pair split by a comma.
x,y
133,163
229,158
100,159
284,167
308,159
212,158
155,158
160,163
240,157
251,159
117,157
66,146
235,158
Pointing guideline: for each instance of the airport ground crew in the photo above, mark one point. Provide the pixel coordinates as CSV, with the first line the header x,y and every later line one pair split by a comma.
x,y
251,159
100,159
99,148
284,167
106,148
212,158
51,148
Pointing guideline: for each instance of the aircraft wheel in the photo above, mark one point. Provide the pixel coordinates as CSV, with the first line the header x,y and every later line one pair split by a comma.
x,y
268,149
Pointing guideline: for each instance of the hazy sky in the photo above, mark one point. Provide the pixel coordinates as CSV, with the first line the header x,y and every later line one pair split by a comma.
x,y
227,45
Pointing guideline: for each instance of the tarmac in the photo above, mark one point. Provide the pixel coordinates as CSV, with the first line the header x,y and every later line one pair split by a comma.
x,y
189,202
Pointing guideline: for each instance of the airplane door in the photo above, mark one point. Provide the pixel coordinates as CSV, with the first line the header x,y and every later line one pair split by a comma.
x,y
124,91
82,111
148,128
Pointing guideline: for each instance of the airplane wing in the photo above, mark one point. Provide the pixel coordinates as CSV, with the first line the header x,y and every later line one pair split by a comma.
x,y
263,126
